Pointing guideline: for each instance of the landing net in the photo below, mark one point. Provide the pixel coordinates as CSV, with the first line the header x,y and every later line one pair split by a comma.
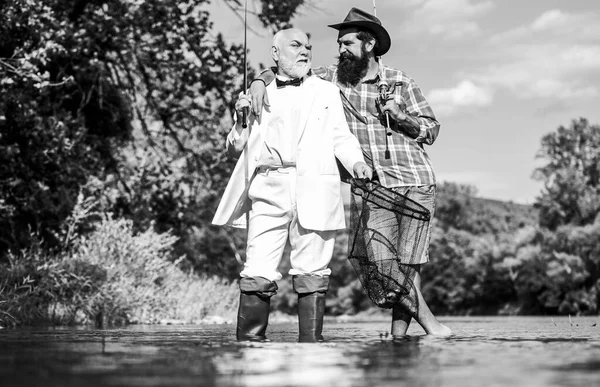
x,y
388,232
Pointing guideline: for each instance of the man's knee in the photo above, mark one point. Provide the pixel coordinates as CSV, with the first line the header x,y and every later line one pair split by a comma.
x,y
308,283
258,285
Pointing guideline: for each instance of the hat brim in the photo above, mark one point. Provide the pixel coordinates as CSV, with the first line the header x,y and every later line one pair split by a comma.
x,y
383,38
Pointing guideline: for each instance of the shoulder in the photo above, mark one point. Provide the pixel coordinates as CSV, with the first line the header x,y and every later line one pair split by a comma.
x,y
324,69
327,73
398,75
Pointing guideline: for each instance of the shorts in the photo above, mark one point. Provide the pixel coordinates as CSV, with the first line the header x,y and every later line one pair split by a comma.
x,y
425,196
386,235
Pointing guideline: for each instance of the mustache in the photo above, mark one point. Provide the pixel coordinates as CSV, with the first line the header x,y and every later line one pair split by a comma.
x,y
346,56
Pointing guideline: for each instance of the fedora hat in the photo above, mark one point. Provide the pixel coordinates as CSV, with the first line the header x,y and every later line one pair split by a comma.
x,y
361,19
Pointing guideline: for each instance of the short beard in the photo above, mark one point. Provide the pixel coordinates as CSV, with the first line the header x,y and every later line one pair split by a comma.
x,y
293,69
352,69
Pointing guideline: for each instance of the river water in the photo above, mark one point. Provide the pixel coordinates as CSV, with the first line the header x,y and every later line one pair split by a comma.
x,y
486,351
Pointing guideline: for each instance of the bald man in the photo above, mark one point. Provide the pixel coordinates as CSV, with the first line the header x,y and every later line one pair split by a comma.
x,y
293,190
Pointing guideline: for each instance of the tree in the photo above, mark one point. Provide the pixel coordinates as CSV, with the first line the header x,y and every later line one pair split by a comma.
x,y
60,122
571,177
128,101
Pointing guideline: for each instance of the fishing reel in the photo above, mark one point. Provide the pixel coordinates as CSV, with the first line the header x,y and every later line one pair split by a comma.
x,y
384,96
385,91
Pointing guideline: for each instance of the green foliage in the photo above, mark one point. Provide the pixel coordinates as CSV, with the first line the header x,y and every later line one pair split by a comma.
x,y
563,277
142,285
277,14
457,206
125,101
571,176
472,240
493,257
46,151
112,275
130,101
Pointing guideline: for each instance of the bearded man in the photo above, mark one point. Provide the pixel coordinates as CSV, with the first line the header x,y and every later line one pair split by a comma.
x,y
397,155
293,191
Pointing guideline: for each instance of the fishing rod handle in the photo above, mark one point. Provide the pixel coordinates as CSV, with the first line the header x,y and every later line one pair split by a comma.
x,y
244,118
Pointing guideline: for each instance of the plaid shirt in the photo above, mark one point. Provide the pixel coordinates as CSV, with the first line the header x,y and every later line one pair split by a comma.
x,y
409,164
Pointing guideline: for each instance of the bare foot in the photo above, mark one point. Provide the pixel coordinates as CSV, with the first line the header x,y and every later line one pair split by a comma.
x,y
440,330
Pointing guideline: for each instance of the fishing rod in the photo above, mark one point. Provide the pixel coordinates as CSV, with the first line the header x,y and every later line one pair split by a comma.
x,y
245,113
384,94
244,86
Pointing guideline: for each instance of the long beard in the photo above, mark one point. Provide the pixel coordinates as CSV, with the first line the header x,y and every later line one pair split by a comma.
x,y
352,69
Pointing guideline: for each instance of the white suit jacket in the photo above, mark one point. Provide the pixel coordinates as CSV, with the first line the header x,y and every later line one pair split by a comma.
x,y
323,136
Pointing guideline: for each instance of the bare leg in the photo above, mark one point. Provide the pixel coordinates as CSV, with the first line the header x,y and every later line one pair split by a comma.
x,y
402,313
400,317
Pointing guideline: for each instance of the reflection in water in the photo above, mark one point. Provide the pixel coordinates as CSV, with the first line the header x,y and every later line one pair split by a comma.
x,y
484,352
271,364
327,364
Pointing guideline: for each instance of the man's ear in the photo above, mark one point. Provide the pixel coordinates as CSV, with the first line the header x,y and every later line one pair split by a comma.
x,y
275,54
369,45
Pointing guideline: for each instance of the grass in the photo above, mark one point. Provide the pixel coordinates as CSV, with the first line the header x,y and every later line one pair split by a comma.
x,y
111,276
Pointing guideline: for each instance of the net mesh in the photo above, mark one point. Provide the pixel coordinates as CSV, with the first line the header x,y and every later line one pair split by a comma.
x,y
386,242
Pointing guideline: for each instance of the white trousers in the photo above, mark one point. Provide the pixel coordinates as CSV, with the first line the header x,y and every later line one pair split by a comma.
x,y
274,219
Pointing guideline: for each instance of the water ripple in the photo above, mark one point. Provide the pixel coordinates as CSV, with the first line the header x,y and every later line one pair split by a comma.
x,y
482,352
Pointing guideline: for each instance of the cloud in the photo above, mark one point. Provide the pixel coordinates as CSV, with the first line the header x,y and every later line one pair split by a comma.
x,y
550,71
556,25
550,19
559,89
465,95
553,57
446,19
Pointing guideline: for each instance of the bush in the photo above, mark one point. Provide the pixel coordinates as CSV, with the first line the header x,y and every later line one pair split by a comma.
x,y
111,276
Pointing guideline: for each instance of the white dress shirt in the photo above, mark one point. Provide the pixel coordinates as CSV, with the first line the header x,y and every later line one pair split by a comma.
x,y
281,135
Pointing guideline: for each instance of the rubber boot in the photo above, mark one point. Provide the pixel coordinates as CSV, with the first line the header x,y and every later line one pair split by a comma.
x,y
253,312
311,308
253,317
311,291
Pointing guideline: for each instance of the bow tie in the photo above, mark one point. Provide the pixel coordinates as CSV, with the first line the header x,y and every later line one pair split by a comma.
x,y
291,82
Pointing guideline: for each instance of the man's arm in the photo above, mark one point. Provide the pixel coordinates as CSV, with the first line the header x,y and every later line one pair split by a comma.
x,y
324,72
238,136
258,86
412,115
258,91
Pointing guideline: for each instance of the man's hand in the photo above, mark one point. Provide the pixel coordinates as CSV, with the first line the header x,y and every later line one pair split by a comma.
x,y
408,124
258,93
362,171
396,111
242,103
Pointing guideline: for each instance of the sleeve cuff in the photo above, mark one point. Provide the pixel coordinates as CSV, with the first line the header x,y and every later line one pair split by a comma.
x,y
234,136
422,137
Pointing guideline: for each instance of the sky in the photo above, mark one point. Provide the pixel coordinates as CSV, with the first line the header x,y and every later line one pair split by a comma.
x,y
499,75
